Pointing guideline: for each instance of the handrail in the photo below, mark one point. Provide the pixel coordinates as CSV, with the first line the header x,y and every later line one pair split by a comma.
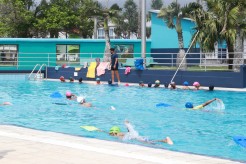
x,y
39,71
33,70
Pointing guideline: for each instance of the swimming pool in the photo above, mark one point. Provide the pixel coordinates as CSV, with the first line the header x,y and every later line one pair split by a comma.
x,y
208,133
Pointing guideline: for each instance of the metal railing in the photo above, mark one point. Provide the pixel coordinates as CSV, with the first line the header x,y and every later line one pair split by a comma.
x,y
165,61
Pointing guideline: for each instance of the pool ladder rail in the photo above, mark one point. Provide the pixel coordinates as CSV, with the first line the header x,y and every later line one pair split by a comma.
x,y
38,75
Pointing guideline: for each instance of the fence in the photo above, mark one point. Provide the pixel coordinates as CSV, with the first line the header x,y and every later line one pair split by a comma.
x,y
164,61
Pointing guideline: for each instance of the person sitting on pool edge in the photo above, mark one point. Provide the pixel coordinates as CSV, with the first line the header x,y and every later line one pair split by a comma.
x,y
81,101
189,105
116,132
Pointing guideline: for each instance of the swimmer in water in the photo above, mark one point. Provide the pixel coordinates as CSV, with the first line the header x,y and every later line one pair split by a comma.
x,y
81,101
186,85
6,103
196,85
116,132
70,96
189,105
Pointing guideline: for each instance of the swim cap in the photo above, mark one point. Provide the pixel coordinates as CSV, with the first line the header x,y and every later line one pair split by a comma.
x,y
71,79
62,78
189,105
149,84
114,129
68,93
97,79
157,81
110,81
126,84
80,99
186,83
172,83
140,82
196,84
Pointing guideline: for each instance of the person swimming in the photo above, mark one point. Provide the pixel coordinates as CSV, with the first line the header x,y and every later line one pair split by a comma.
x,y
132,134
81,101
6,103
149,85
70,96
189,105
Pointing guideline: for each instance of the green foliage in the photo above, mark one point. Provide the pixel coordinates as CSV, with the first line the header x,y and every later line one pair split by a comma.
x,y
127,22
156,4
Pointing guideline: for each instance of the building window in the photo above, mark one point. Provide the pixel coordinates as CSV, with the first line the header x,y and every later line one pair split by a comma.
x,y
101,33
124,50
9,55
67,54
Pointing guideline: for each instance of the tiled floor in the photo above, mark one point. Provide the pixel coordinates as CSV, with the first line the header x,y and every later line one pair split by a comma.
x,y
26,146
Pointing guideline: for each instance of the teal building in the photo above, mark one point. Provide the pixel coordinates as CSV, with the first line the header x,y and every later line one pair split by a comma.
x,y
24,54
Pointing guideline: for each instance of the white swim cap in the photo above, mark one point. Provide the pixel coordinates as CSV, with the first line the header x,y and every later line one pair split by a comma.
x,y
80,99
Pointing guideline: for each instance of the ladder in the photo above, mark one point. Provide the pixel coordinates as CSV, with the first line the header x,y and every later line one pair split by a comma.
x,y
38,75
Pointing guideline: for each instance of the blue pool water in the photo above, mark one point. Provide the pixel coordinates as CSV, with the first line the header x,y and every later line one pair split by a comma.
x,y
208,133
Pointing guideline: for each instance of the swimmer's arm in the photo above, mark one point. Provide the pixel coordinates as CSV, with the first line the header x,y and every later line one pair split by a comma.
x,y
209,102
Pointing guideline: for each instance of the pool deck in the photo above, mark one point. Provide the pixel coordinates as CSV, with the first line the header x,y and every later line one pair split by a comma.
x,y
27,146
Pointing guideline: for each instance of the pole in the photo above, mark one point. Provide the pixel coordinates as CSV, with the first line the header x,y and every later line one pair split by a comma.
x,y
184,57
143,30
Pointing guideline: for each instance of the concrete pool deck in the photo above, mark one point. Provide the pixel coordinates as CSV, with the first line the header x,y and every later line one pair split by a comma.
x,y
27,146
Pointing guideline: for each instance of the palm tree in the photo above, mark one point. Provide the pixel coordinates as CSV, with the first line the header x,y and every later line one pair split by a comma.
x,y
174,12
220,23
106,14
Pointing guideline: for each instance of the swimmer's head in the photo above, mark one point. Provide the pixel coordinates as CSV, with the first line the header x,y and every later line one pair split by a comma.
x,y
81,100
80,80
166,85
189,105
196,84
114,130
141,83
149,85
98,80
127,85
71,79
62,79
157,82
109,81
186,83
211,88
68,93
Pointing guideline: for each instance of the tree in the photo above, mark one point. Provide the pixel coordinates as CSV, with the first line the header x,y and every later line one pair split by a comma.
x,y
173,15
127,23
223,21
106,14
16,18
156,4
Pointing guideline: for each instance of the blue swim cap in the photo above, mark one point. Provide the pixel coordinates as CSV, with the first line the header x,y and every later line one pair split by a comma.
x,y
186,83
98,79
189,105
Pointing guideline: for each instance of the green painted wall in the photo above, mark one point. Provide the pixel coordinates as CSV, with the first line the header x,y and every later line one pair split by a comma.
x,y
37,51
